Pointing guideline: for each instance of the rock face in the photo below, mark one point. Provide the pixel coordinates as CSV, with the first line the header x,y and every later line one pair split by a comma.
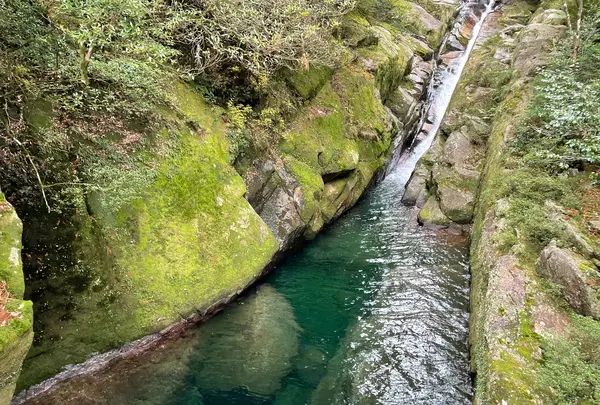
x,y
187,241
447,177
511,311
16,315
351,123
575,275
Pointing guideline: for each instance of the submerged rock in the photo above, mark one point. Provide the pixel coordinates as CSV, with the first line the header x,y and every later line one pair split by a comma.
x,y
311,365
253,350
575,275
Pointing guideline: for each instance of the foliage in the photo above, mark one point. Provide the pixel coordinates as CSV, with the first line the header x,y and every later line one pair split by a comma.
x,y
562,126
571,366
238,133
110,25
246,128
258,37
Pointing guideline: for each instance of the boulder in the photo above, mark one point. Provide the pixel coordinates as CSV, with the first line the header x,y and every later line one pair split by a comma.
x,y
275,196
575,275
250,346
417,184
456,203
537,40
431,215
458,149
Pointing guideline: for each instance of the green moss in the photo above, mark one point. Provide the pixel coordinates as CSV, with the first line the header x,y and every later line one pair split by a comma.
x,y
307,83
571,366
189,240
10,249
311,183
408,17
39,114
357,92
15,340
388,77
432,214
518,12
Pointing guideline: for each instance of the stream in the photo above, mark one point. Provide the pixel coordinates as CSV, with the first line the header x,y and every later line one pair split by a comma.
x,y
373,311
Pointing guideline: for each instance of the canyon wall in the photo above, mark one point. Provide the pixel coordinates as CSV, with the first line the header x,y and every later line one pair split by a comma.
x,y
179,226
533,255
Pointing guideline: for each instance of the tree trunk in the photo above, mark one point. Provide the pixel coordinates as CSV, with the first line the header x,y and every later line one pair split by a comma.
x,y
577,42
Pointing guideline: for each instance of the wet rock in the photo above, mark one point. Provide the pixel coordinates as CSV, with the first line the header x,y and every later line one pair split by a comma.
x,y
466,29
448,57
431,215
311,365
453,44
253,350
575,275
416,186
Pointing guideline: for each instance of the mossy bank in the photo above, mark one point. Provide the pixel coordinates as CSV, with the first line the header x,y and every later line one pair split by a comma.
x,y
16,315
533,256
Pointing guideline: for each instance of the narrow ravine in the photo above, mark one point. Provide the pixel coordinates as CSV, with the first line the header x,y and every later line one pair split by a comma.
x,y
373,311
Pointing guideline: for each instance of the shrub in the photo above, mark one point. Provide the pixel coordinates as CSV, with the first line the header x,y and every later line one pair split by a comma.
x,y
258,37
562,125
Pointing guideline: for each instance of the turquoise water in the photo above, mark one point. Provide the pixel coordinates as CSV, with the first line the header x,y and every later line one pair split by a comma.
x,y
373,311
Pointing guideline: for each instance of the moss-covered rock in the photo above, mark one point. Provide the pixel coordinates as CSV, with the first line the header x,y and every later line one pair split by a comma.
x,y
576,276
16,315
11,268
432,215
187,240
514,313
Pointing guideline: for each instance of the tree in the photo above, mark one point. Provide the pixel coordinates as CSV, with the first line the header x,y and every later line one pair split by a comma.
x,y
259,36
99,25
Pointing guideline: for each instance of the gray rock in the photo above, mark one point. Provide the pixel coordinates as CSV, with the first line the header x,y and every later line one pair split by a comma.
x,y
458,149
275,196
415,186
453,44
251,345
431,215
572,272
594,226
537,40
457,204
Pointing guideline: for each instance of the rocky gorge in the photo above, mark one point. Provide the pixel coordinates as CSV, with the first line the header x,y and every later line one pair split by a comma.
x,y
117,273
